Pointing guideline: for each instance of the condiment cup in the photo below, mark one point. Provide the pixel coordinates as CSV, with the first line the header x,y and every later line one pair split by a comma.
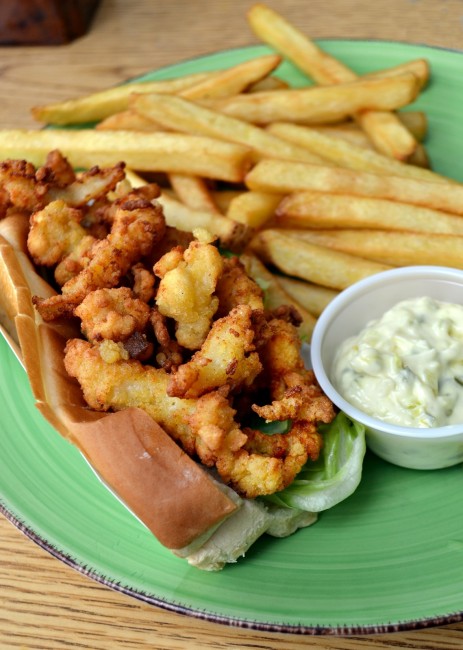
x,y
345,316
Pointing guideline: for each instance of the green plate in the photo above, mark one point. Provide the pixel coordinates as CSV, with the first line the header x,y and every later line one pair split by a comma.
x,y
388,558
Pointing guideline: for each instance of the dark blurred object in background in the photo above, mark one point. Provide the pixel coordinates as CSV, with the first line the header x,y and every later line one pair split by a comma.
x,y
44,22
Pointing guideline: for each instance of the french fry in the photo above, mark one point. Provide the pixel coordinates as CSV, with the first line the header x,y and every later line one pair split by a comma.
x,y
97,106
420,157
387,133
320,66
387,247
235,80
348,131
134,179
320,104
269,83
232,235
166,152
418,67
311,296
317,264
274,294
253,208
316,210
347,154
193,192
276,31
223,198
415,121
352,134
180,114
282,177
128,120
228,82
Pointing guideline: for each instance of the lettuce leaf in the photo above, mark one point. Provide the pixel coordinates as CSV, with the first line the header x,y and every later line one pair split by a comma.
x,y
334,476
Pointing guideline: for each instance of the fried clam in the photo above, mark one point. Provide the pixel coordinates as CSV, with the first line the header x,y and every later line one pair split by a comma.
x,y
25,188
113,314
138,224
55,231
227,358
143,282
186,291
205,427
74,214
19,187
295,393
169,354
235,287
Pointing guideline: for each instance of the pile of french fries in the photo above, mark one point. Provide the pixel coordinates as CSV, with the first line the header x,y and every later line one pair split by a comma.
x,y
318,187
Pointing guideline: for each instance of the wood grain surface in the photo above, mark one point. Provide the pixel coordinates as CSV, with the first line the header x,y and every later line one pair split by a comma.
x,y
44,604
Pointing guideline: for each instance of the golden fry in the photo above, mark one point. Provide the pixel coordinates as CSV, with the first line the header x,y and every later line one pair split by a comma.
x,y
420,157
317,264
97,106
348,154
283,177
234,80
193,192
269,83
223,198
182,115
318,210
167,152
237,79
232,234
386,247
312,296
275,30
415,121
128,120
419,67
320,104
387,133
253,208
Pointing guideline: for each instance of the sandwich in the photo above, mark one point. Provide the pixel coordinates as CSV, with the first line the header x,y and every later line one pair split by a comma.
x,y
156,356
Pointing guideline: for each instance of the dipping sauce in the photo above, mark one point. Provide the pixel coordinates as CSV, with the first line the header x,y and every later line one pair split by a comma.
x,y
406,368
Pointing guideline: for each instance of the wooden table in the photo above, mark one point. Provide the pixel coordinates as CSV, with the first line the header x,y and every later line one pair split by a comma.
x,y
45,604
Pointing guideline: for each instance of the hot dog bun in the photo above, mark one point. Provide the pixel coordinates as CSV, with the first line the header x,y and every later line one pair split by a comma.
x,y
172,495
187,509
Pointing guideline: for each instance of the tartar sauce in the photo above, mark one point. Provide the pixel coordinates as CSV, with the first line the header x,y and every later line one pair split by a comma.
x,y
406,368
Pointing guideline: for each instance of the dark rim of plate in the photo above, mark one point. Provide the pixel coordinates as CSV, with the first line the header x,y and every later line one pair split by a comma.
x,y
178,608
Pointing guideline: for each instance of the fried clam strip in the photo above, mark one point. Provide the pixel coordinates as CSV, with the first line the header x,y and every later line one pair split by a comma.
x,y
57,230
56,237
23,187
19,188
169,354
89,185
113,314
54,233
297,397
204,427
226,358
235,287
138,225
186,291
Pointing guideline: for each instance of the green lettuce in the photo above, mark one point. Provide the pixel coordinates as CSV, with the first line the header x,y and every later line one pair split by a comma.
x,y
334,476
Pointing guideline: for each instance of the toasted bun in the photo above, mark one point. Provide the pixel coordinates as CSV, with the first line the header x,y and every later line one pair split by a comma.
x,y
164,488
